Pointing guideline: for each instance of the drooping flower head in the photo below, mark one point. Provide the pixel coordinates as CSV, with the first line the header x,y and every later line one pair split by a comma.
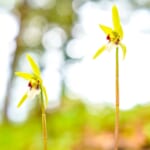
x,y
35,84
113,35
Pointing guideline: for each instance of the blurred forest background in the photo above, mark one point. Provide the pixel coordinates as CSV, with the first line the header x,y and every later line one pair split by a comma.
x,y
46,29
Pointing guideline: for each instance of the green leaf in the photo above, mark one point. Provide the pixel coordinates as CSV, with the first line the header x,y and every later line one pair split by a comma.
x,y
45,94
22,100
124,51
34,66
105,29
24,75
99,51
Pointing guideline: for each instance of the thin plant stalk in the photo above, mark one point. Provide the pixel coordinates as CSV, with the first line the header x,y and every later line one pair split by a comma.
x,y
35,86
44,126
117,102
114,36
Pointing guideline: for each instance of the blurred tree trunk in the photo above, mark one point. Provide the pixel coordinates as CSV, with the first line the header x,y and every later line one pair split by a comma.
x,y
15,56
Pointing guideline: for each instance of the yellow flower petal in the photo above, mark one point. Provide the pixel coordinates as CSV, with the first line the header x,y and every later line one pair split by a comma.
x,y
34,66
22,100
115,17
120,31
24,75
116,21
106,30
45,94
99,51
123,47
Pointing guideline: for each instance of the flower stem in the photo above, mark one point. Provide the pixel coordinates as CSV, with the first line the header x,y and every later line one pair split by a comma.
x,y
117,102
44,127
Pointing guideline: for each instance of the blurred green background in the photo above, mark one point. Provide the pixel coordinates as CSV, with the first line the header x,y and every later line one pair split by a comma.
x,y
46,29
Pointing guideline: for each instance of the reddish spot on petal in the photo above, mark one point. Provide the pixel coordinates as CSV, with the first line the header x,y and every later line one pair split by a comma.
x,y
108,37
30,85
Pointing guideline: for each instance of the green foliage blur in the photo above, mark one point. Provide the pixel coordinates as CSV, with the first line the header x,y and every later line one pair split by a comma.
x,y
75,125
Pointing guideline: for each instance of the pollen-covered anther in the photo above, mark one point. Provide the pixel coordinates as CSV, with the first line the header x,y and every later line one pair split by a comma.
x,y
37,86
117,41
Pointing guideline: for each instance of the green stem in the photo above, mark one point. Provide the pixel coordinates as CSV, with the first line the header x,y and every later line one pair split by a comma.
x,y
44,127
117,102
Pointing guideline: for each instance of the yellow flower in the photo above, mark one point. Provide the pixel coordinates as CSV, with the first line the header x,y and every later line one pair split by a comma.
x,y
35,85
114,36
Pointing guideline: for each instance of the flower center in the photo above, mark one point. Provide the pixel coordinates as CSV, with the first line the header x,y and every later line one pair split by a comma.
x,y
34,85
113,37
